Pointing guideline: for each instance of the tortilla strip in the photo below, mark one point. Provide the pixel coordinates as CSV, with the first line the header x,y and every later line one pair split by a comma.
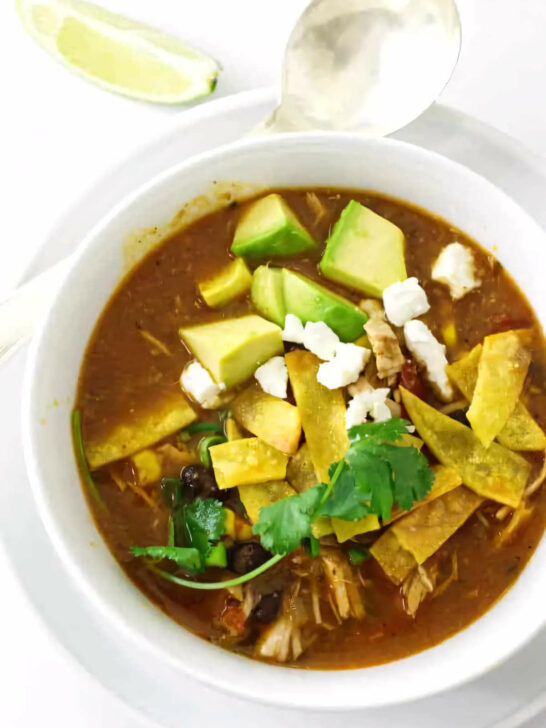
x,y
396,562
255,496
492,472
247,461
143,431
322,412
502,370
416,537
426,529
520,432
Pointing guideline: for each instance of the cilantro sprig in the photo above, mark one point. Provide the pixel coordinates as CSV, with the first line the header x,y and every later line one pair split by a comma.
x,y
372,477
194,530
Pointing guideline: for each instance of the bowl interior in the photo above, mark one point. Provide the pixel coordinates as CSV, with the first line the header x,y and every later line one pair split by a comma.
x,y
393,168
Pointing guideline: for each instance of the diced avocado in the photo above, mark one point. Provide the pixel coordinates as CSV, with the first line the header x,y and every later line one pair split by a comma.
x,y
267,228
217,556
233,281
365,251
267,293
310,301
233,349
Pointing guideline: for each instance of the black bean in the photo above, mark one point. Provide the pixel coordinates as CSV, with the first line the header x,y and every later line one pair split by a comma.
x,y
267,608
201,481
245,557
460,416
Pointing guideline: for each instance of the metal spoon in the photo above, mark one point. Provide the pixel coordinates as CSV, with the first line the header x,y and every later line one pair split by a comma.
x,y
366,65
362,65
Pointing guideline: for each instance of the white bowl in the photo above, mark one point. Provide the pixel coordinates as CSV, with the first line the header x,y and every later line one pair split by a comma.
x,y
314,159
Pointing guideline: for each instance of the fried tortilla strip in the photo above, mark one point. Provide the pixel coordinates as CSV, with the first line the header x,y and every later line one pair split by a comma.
x,y
274,420
520,432
322,412
259,495
247,461
492,472
426,529
143,431
396,562
502,369
416,537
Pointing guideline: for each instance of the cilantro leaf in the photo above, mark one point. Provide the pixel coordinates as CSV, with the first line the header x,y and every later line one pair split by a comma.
x,y
373,475
284,524
379,432
412,477
346,501
187,558
205,523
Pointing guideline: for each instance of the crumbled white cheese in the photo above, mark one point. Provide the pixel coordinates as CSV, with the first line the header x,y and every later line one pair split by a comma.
x,y
273,377
368,403
293,329
197,382
456,268
320,340
345,367
430,354
405,300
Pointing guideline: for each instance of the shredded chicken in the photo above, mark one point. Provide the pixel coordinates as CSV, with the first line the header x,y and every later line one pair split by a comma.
x,y
416,588
173,459
315,205
535,485
282,640
372,307
361,385
454,576
519,516
386,348
343,586
159,345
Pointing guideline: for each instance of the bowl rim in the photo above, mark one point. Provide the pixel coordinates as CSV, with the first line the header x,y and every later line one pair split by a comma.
x,y
93,591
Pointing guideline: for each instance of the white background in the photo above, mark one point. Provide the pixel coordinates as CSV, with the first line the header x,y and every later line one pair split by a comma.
x,y
59,133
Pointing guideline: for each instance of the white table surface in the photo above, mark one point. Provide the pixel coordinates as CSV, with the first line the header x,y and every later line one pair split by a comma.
x,y
59,133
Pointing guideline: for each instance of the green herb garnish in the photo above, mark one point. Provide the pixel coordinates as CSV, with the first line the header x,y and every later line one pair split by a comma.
x,y
371,478
187,558
82,459
196,427
358,555
205,444
194,530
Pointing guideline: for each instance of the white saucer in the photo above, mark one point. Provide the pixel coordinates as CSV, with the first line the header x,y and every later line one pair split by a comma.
x,y
505,698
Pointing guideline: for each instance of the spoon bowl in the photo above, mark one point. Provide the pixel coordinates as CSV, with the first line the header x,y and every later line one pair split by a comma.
x,y
370,66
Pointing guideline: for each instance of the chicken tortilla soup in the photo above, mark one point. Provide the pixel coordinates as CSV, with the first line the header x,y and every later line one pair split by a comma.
x,y
310,427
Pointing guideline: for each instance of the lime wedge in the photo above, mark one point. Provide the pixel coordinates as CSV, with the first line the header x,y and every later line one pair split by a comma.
x,y
120,54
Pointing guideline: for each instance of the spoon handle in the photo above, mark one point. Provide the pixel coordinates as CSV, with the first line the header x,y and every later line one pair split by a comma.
x,y
22,310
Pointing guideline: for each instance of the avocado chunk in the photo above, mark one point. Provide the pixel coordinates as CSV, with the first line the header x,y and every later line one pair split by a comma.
x,y
310,301
268,228
231,282
364,251
267,293
234,348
